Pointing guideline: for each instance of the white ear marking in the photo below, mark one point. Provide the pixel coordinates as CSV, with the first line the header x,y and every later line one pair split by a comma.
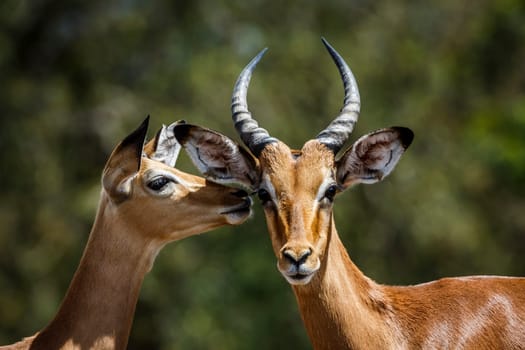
x,y
167,148
373,157
218,157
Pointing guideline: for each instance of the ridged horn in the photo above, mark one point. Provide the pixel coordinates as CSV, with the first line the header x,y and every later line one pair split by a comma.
x,y
253,136
338,131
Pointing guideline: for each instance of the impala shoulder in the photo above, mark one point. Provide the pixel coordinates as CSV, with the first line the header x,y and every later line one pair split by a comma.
x,y
468,288
494,283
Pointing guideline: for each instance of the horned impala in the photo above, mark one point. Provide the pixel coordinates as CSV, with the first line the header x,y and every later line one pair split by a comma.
x,y
145,203
342,308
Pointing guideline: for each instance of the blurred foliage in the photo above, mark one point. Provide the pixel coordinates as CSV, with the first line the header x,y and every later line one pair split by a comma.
x,y
77,76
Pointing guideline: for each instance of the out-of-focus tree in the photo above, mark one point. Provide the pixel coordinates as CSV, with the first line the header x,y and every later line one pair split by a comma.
x,y
77,76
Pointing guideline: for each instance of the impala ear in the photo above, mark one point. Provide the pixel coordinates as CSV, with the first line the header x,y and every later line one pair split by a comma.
x,y
124,163
164,147
373,156
219,158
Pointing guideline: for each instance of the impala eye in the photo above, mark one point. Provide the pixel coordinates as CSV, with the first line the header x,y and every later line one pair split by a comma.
x,y
330,193
264,196
158,183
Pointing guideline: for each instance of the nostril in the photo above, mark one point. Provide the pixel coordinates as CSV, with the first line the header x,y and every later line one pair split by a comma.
x,y
290,256
299,258
304,255
240,193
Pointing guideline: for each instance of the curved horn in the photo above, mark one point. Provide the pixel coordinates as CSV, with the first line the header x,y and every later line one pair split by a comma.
x,y
337,132
253,136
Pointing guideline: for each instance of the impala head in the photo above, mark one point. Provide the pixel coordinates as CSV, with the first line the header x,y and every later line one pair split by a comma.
x,y
296,187
142,184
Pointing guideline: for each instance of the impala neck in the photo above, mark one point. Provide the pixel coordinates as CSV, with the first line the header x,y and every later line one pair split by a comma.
x,y
97,311
341,303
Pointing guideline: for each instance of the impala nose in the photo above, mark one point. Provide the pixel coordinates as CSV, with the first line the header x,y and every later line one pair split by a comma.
x,y
297,257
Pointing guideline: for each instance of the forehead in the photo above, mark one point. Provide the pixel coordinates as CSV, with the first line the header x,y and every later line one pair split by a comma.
x,y
150,167
306,169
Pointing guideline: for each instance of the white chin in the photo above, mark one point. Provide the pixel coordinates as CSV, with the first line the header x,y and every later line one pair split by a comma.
x,y
238,217
299,281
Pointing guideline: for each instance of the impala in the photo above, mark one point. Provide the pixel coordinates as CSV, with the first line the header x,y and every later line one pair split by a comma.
x,y
342,308
145,203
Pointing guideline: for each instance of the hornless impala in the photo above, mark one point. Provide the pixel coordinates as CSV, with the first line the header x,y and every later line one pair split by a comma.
x,y
145,203
341,307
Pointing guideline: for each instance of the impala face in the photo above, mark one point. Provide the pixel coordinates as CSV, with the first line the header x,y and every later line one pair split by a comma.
x,y
147,175
296,191
296,188
204,204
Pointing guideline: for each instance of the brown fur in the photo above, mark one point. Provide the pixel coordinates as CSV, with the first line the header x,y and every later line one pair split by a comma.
x,y
343,309
340,306
130,228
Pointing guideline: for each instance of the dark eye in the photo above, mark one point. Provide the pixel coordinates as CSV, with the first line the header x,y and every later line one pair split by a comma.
x,y
264,196
330,192
158,183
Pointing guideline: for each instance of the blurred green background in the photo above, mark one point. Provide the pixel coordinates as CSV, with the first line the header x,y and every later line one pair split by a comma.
x,y
77,76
